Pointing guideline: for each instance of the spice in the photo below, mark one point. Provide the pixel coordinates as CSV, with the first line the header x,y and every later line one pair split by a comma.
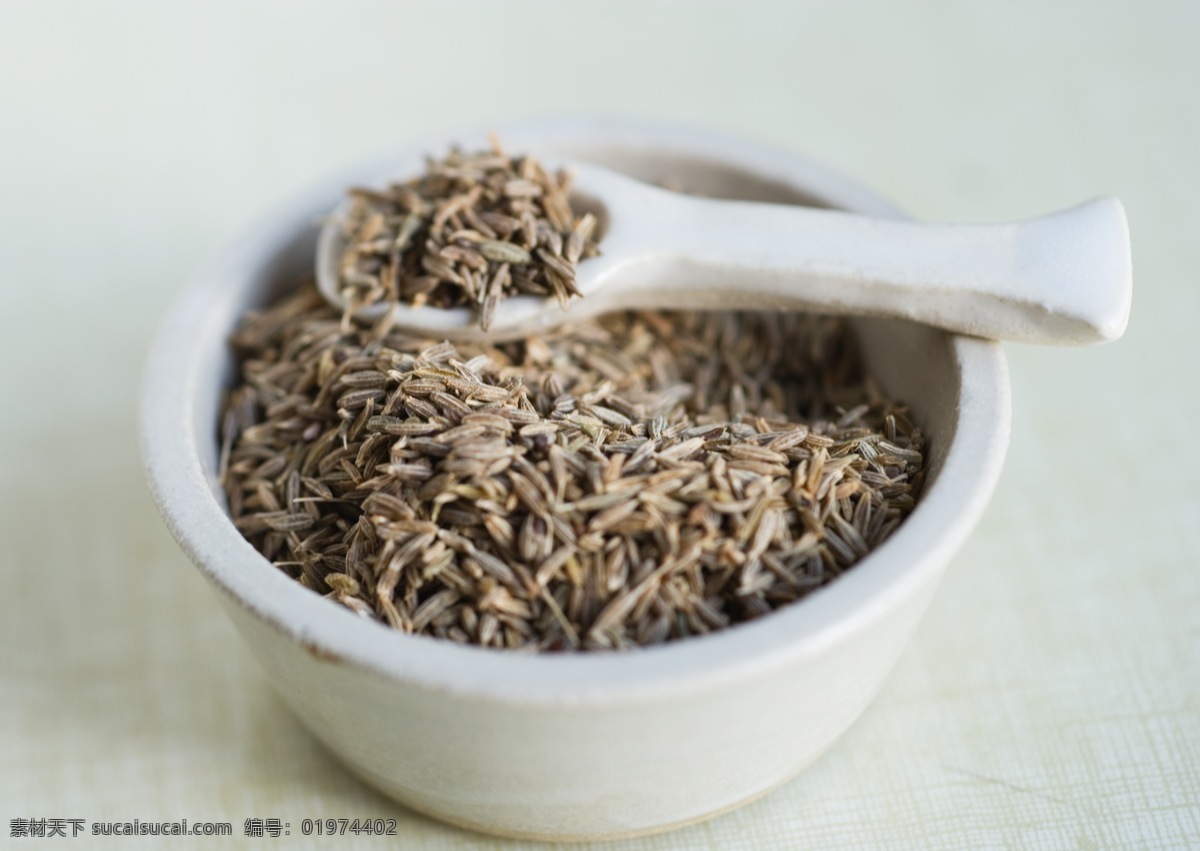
x,y
625,481
473,229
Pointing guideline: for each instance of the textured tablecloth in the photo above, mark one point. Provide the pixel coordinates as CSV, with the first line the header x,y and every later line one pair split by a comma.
x,y
1050,699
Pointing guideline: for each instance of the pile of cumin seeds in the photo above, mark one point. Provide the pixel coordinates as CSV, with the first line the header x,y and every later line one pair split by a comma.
x,y
473,229
626,481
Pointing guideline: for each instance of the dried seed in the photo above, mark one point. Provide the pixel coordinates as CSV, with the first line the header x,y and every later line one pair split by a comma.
x,y
504,252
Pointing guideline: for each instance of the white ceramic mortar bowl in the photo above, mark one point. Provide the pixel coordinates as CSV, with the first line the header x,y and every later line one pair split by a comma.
x,y
587,745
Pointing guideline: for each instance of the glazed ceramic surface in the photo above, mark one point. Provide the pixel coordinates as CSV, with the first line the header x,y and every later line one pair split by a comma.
x,y
592,745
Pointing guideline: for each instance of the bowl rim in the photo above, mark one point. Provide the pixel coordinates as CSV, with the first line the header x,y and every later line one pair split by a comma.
x,y
912,557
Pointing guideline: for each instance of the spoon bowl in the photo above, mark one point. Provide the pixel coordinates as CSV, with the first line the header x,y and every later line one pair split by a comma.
x,y
1063,278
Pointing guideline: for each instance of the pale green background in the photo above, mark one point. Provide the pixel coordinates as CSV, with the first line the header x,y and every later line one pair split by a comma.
x,y
1051,698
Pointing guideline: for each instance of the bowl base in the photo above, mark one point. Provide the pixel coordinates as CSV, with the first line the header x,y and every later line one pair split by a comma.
x,y
382,786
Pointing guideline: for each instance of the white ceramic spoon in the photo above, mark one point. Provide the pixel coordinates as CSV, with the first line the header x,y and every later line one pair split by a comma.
x,y
1061,278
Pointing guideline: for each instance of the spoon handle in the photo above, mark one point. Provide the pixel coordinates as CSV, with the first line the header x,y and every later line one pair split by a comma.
x,y
1062,278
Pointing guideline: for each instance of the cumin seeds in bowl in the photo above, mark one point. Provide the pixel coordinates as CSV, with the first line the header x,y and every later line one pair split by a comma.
x,y
631,480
